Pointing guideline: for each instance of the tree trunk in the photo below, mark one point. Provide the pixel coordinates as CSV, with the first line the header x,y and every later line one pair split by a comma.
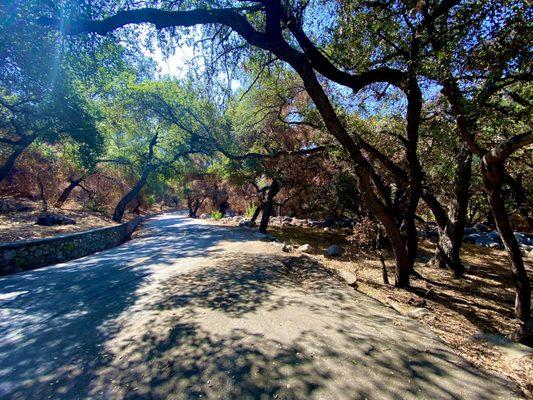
x,y
370,185
493,179
399,248
258,209
452,232
416,175
68,190
4,169
194,205
269,203
123,203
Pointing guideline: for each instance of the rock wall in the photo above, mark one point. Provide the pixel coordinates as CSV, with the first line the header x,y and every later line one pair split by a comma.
x,y
30,254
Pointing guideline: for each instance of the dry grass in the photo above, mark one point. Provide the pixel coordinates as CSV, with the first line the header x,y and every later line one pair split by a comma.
x,y
20,225
481,301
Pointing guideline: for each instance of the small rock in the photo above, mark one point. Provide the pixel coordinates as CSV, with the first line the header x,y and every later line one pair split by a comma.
x,y
334,251
306,248
287,248
497,246
418,313
204,216
348,277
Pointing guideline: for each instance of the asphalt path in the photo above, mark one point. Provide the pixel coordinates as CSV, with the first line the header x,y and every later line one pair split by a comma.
x,y
190,310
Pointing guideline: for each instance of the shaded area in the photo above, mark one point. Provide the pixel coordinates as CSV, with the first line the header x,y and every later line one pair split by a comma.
x,y
190,310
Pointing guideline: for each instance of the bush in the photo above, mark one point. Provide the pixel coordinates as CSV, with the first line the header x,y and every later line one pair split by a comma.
x,y
216,215
249,213
150,200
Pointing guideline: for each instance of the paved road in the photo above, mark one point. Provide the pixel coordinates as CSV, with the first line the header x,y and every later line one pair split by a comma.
x,y
190,310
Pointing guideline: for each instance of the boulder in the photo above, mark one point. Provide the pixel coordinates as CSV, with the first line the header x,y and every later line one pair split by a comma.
x,y
306,248
481,228
53,220
505,345
469,231
524,239
334,251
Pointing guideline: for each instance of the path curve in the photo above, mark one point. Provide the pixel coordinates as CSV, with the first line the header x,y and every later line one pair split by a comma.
x,y
192,310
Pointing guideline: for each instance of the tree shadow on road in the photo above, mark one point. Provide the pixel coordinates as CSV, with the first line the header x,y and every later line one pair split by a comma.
x,y
239,326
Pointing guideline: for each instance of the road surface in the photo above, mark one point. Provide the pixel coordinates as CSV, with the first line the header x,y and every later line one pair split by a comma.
x,y
191,310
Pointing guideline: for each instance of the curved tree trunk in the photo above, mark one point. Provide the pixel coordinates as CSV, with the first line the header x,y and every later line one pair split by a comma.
x,y
451,232
68,190
128,197
372,191
4,169
275,187
493,180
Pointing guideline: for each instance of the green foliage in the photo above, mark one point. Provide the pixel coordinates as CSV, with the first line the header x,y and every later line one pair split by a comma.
x,y
250,211
216,215
150,200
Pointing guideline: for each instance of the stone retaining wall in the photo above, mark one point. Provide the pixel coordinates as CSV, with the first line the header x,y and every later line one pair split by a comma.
x,y
30,254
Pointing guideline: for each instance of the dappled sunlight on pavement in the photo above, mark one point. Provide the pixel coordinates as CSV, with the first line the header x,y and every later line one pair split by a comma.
x,y
191,310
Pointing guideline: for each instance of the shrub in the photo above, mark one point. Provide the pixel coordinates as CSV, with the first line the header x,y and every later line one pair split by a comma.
x,y
150,200
250,211
216,215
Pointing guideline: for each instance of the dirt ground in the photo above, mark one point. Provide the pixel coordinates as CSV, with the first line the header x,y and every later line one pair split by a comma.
x,y
17,221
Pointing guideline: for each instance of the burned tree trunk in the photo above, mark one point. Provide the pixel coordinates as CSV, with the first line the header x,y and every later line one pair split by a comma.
x,y
194,204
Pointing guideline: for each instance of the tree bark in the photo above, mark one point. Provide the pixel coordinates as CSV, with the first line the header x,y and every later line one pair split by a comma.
x,y
258,209
123,203
68,190
10,162
493,179
275,187
451,232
